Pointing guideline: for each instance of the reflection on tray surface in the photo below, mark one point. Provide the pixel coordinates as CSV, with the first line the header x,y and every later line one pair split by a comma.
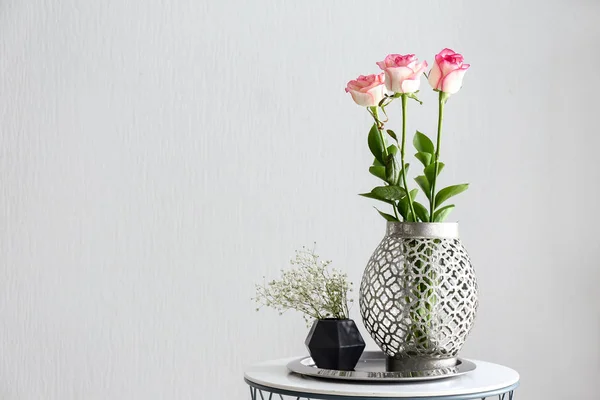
x,y
373,373
372,367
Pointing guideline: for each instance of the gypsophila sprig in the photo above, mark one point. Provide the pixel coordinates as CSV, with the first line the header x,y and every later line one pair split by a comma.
x,y
310,287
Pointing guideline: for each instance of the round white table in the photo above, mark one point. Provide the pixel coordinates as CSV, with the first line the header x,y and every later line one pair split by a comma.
x,y
486,381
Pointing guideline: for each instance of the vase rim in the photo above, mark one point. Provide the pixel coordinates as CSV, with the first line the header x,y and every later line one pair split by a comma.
x,y
334,319
433,230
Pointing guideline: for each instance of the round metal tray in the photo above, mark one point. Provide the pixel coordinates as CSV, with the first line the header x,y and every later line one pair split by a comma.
x,y
371,367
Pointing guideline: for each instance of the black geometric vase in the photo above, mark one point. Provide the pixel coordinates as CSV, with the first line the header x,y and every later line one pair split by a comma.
x,y
335,344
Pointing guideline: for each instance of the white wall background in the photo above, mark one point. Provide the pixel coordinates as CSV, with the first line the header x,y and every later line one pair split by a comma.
x,y
157,158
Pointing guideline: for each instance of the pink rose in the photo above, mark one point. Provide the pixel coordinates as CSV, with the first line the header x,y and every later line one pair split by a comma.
x,y
447,72
367,91
402,73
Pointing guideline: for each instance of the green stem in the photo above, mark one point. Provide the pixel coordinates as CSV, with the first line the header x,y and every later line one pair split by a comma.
x,y
442,100
410,202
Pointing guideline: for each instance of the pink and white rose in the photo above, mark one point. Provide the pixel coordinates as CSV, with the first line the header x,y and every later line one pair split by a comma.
x,y
367,91
448,72
402,73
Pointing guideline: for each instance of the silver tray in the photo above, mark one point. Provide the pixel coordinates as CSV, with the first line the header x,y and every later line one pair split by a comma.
x,y
371,367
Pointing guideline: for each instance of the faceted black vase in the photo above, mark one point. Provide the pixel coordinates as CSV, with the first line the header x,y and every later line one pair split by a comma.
x,y
335,344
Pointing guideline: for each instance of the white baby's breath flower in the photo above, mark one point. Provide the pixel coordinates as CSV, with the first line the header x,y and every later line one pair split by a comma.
x,y
310,288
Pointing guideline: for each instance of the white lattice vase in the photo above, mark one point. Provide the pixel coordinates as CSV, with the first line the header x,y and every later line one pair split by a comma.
x,y
418,295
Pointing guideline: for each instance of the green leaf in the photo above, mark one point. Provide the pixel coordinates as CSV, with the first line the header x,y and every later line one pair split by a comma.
x,y
421,211
378,171
404,207
376,163
392,134
448,192
403,171
425,158
402,214
392,170
376,144
414,97
423,144
387,217
430,170
392,149
441,214
375,197
424,185
390,193
404,210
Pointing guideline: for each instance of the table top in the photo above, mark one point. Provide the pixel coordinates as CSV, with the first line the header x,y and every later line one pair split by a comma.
x,y
487,379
